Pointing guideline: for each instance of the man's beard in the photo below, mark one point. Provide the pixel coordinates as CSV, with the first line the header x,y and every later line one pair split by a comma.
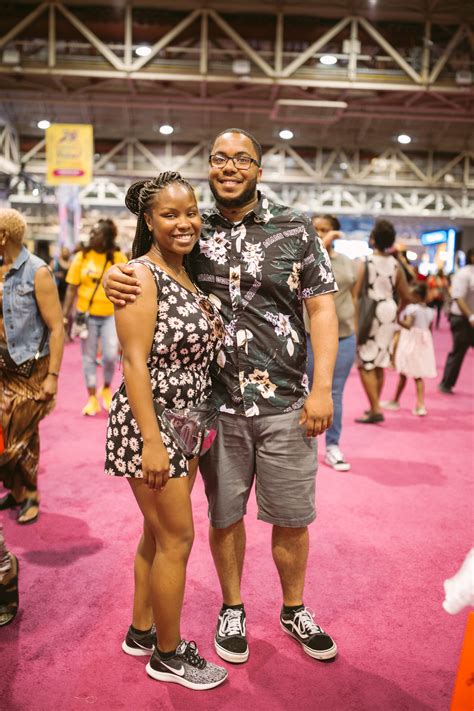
x,y
247,196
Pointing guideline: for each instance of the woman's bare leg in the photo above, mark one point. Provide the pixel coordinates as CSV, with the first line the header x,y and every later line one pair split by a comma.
x,y
168,517
142,618
370,385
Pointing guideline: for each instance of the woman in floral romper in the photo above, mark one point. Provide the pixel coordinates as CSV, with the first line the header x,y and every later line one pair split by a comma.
x,y
169,336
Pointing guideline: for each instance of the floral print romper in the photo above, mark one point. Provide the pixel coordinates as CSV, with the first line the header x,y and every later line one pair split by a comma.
x,y
187,338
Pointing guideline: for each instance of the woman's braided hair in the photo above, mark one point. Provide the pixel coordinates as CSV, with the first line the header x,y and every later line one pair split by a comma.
x,y
139,199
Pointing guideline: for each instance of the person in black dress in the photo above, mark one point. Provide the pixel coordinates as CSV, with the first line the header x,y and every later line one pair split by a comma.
x,y
169,335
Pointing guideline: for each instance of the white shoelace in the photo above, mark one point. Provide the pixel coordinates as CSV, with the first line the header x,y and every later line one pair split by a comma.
x,y
304,623
232,623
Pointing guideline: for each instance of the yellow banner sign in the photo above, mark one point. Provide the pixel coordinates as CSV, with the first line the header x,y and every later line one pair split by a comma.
x,y
69,154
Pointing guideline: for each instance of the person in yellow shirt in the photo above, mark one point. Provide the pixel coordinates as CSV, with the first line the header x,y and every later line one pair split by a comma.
x,y
94,320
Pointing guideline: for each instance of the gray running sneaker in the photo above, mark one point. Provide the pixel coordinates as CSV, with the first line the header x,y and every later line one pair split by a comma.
x,y
187,668
139,644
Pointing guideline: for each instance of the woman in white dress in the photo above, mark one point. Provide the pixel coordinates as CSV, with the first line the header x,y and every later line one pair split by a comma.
x,y
385,280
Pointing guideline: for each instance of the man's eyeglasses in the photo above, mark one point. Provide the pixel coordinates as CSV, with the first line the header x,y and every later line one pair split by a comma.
x,y
219,160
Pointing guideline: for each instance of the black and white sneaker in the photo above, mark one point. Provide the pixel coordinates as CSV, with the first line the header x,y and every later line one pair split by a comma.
x,y
301,626
187,668
139,644
230,641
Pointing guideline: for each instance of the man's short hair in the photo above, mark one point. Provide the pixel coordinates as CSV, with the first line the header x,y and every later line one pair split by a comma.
x,y
256,145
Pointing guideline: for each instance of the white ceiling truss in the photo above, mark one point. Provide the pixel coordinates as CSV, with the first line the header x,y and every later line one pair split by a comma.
x,y
204,59
132,158
394,182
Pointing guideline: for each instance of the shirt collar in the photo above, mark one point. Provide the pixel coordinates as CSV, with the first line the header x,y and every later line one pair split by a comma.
x,y
257,213
20,260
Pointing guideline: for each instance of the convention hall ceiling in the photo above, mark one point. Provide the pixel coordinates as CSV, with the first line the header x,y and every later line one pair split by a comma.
x,y
347,77
402,67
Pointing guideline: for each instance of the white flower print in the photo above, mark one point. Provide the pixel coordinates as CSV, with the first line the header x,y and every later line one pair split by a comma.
x,y
264,384
250,411
239,232
172,299
133,444
243,337
175,322
120,418
190,327
215,247
193,337
215,300
253,258
177,336
120,465
325,274
124,430
293,280
283,327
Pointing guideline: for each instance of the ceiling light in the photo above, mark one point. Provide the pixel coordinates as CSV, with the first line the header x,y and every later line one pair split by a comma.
x,y
412,256
404,138
328,59
35,192
143,50
286,134
343,165
43,124
241,66
166,129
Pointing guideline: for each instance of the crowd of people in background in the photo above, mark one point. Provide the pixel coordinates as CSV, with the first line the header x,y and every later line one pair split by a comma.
x,y
189,336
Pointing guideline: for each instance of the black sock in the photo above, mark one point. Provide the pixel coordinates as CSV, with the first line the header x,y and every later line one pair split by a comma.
x,y
287,609
233,607
166,655
134,629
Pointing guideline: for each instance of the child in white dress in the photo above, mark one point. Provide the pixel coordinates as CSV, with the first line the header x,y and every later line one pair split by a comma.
x,y
415,356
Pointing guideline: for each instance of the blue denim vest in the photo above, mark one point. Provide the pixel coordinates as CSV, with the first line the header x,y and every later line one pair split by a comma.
x,y
21,317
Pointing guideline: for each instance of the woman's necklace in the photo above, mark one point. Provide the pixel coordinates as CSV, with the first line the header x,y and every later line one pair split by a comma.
x,y
177,271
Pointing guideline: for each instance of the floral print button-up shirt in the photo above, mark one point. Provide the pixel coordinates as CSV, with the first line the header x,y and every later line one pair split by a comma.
x,y
258,272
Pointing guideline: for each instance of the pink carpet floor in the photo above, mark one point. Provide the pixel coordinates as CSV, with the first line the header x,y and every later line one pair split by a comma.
x,y
388,533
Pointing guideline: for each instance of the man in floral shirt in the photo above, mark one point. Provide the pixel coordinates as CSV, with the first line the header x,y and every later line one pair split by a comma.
x,y
259,262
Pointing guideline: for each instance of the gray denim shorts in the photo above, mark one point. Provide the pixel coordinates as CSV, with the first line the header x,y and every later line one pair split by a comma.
x,y
275,451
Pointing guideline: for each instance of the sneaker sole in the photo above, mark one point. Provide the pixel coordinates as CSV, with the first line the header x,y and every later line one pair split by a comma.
x,y
233,657
338,467
173,679
322,656
136,652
